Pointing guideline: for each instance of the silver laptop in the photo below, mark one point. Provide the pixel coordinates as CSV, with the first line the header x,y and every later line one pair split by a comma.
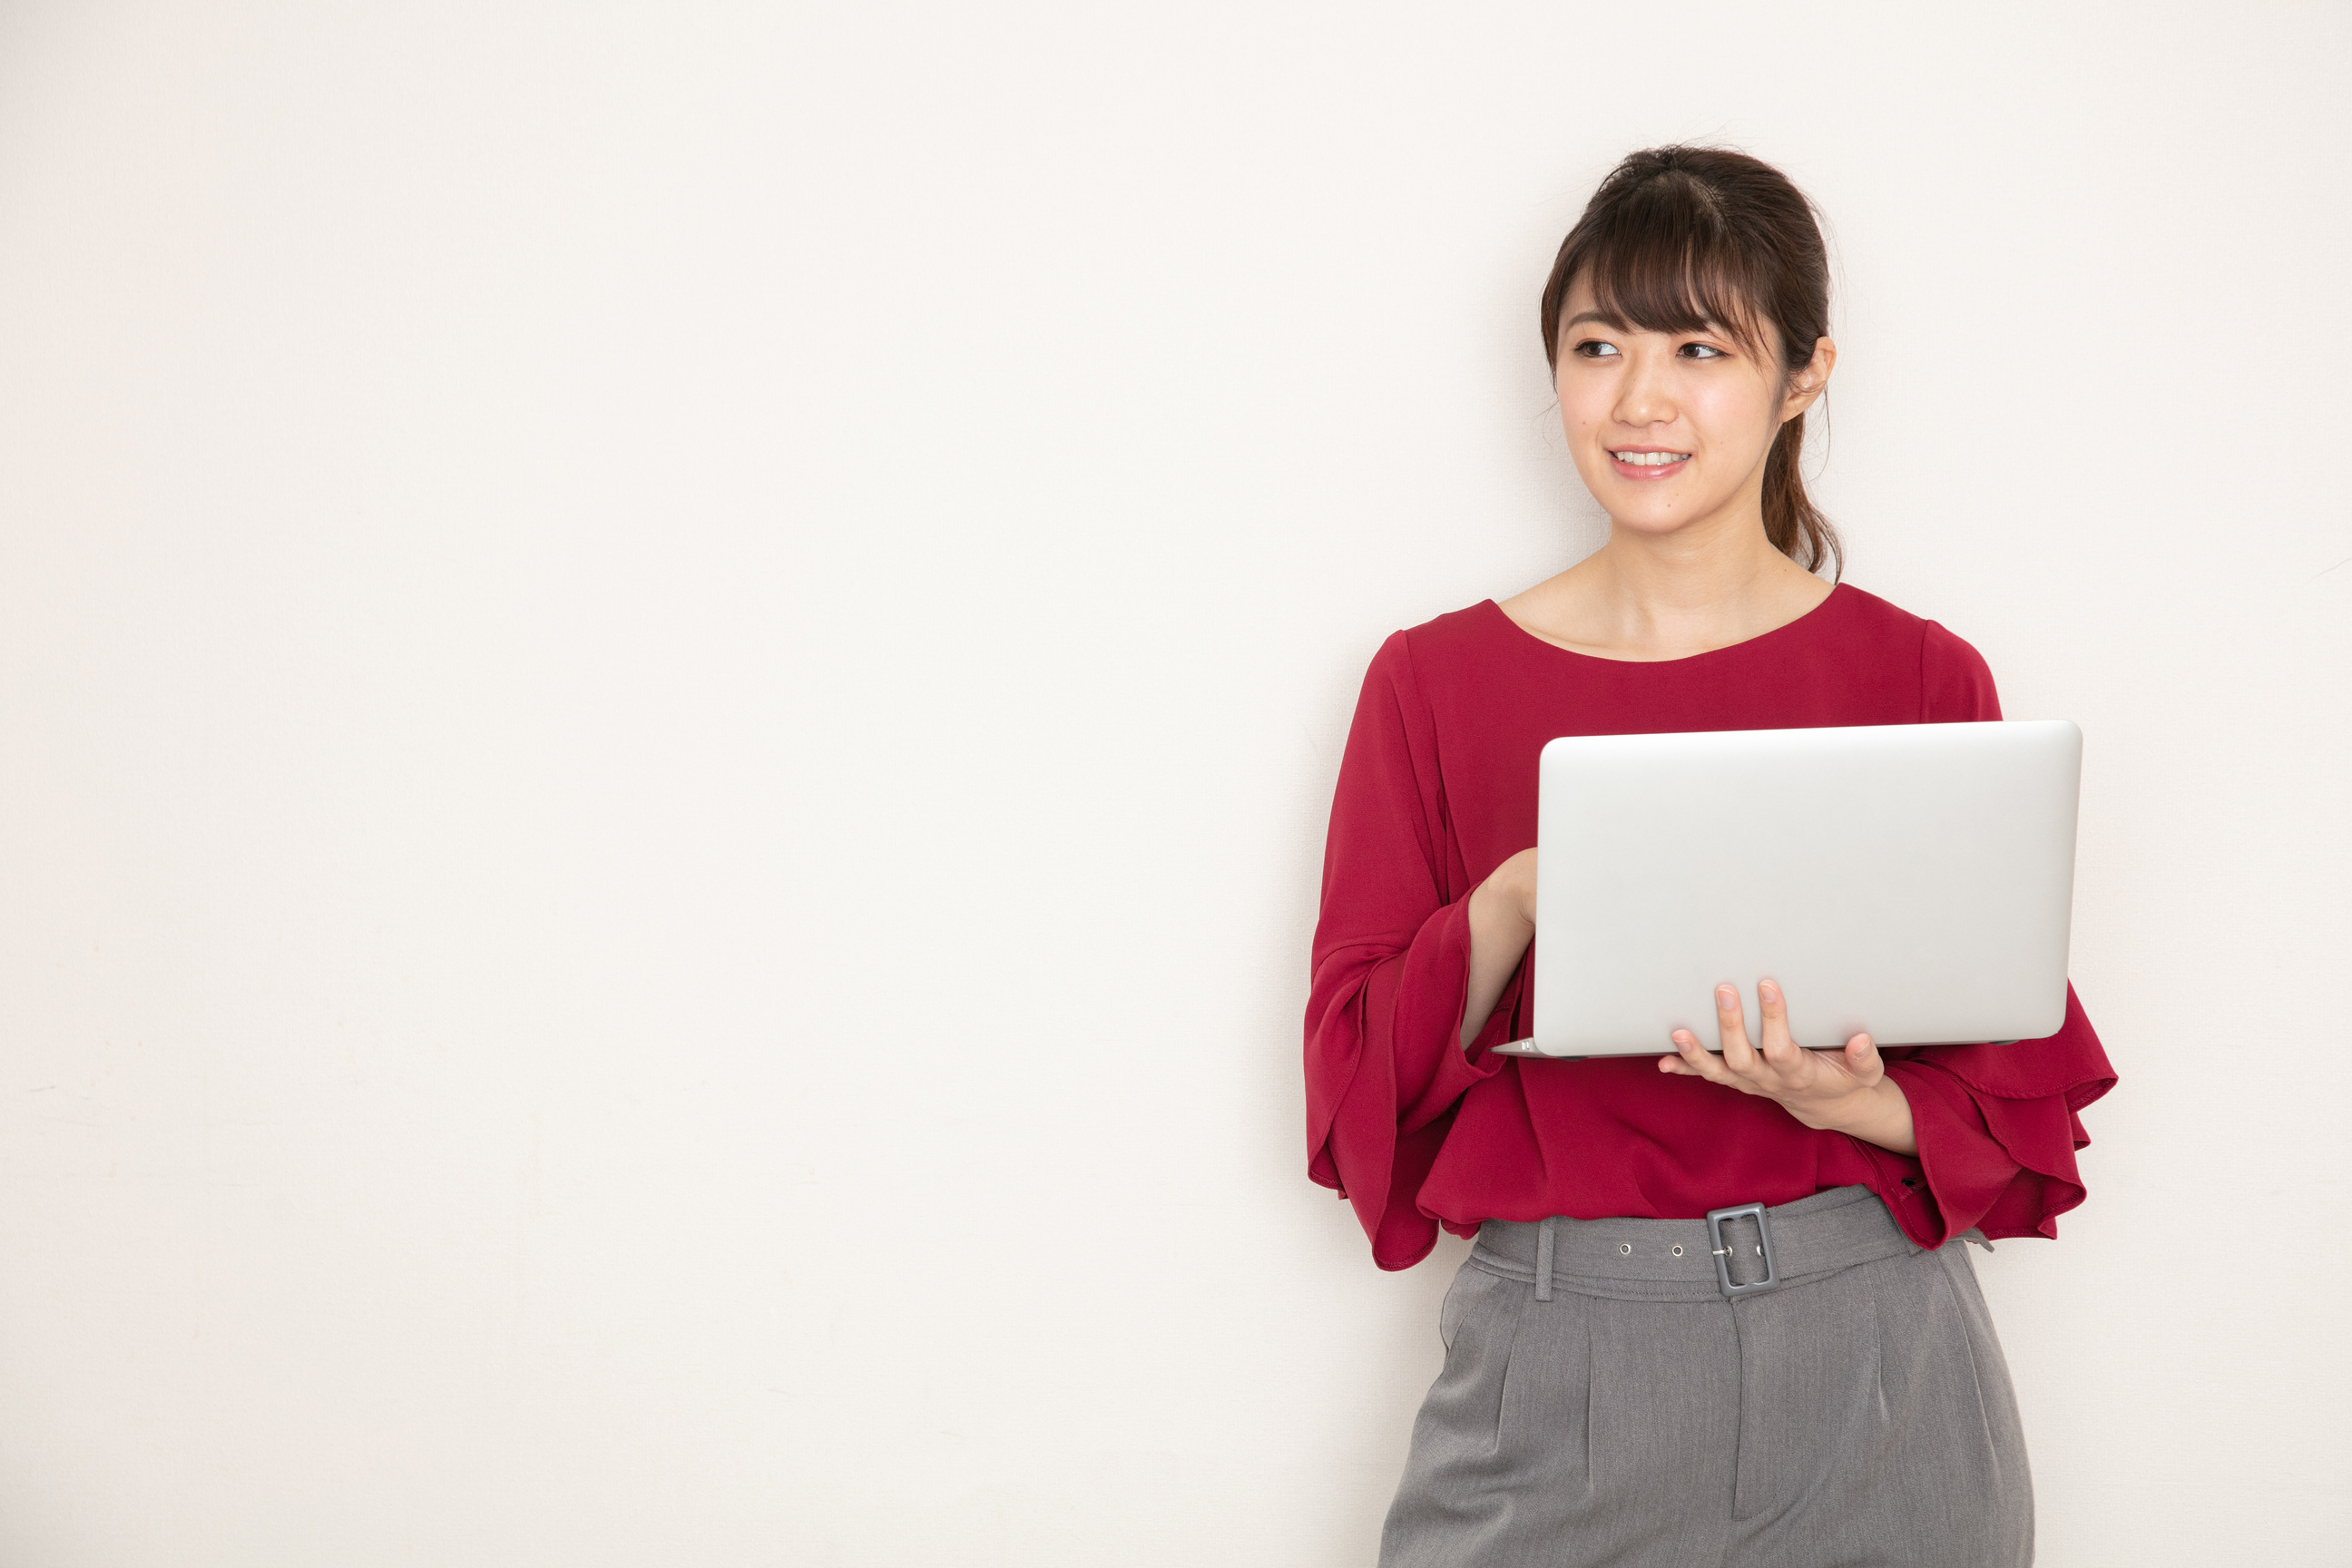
x,y
1911,881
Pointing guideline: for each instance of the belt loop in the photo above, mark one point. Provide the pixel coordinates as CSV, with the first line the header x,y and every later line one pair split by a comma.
x,y
1543,1260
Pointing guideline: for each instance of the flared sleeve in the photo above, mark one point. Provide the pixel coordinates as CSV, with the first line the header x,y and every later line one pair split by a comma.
x,y
1998,1125
1385,1065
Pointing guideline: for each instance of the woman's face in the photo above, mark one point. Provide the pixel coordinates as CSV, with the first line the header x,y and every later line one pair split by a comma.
x,y
1670,429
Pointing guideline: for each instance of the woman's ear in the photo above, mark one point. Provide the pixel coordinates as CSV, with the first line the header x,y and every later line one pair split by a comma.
x,y
1807,383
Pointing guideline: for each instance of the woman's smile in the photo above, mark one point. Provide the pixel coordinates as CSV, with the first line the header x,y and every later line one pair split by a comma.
x,y
1641,463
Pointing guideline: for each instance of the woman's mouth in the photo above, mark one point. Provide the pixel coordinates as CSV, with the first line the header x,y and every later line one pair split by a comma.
x,y
1632,464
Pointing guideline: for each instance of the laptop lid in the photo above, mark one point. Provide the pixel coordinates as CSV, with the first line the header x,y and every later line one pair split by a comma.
x,y
1912,881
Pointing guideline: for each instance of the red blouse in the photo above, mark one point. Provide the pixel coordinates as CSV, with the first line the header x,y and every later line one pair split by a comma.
x,y
1438,787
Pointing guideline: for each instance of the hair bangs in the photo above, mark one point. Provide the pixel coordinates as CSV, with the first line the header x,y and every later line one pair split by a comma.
x,y
1662,282
1661,260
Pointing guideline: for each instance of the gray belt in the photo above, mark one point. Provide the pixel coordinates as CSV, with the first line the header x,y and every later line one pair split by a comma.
x,y
1742,1250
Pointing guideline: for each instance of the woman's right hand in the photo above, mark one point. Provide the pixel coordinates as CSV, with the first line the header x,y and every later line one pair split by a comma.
x,y
1502,923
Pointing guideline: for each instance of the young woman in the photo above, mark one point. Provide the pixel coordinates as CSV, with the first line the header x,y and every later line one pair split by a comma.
x,y
1603,1400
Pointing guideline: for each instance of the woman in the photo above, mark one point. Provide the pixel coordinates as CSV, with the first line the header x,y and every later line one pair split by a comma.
x,y
1603,1400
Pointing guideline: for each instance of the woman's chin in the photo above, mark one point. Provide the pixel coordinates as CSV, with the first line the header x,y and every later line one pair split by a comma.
x,y
1653,516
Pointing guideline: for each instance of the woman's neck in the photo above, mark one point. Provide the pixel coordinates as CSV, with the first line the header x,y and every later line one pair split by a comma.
x,y
1648,597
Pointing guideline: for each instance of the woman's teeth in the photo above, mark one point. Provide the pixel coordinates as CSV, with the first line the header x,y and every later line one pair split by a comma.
x,y
1651,459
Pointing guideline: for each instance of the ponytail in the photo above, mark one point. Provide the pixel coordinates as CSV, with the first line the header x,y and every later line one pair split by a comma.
x,y
1791,522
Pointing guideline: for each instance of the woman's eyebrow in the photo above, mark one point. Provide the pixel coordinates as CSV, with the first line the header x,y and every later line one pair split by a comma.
x,y
1619,323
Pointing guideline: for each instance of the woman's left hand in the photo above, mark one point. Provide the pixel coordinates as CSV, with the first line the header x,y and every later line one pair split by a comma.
x,y
1839,1091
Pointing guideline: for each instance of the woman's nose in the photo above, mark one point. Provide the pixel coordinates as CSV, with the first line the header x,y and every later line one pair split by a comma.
x,y
1644,396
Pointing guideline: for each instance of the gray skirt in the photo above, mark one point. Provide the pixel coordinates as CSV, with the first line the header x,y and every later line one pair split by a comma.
x,y
1640,1391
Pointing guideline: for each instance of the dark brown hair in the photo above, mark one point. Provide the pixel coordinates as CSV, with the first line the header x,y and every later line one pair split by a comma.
x,y
1679,237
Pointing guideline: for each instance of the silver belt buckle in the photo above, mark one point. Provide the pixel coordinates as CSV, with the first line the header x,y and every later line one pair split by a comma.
x,y
1722,1249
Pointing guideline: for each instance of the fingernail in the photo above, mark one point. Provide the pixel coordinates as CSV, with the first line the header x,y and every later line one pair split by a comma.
x,y
1725,997
1767,991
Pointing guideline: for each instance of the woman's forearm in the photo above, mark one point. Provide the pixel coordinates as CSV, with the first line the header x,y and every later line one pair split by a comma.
x,y
1502,923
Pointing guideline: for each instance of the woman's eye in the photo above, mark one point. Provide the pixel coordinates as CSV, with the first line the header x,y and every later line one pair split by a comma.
x,y
1702,350
1593,348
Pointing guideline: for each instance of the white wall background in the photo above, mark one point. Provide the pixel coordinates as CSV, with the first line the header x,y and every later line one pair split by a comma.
x,y
669,676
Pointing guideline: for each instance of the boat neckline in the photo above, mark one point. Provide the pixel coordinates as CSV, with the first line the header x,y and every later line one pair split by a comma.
x,y
1832,596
